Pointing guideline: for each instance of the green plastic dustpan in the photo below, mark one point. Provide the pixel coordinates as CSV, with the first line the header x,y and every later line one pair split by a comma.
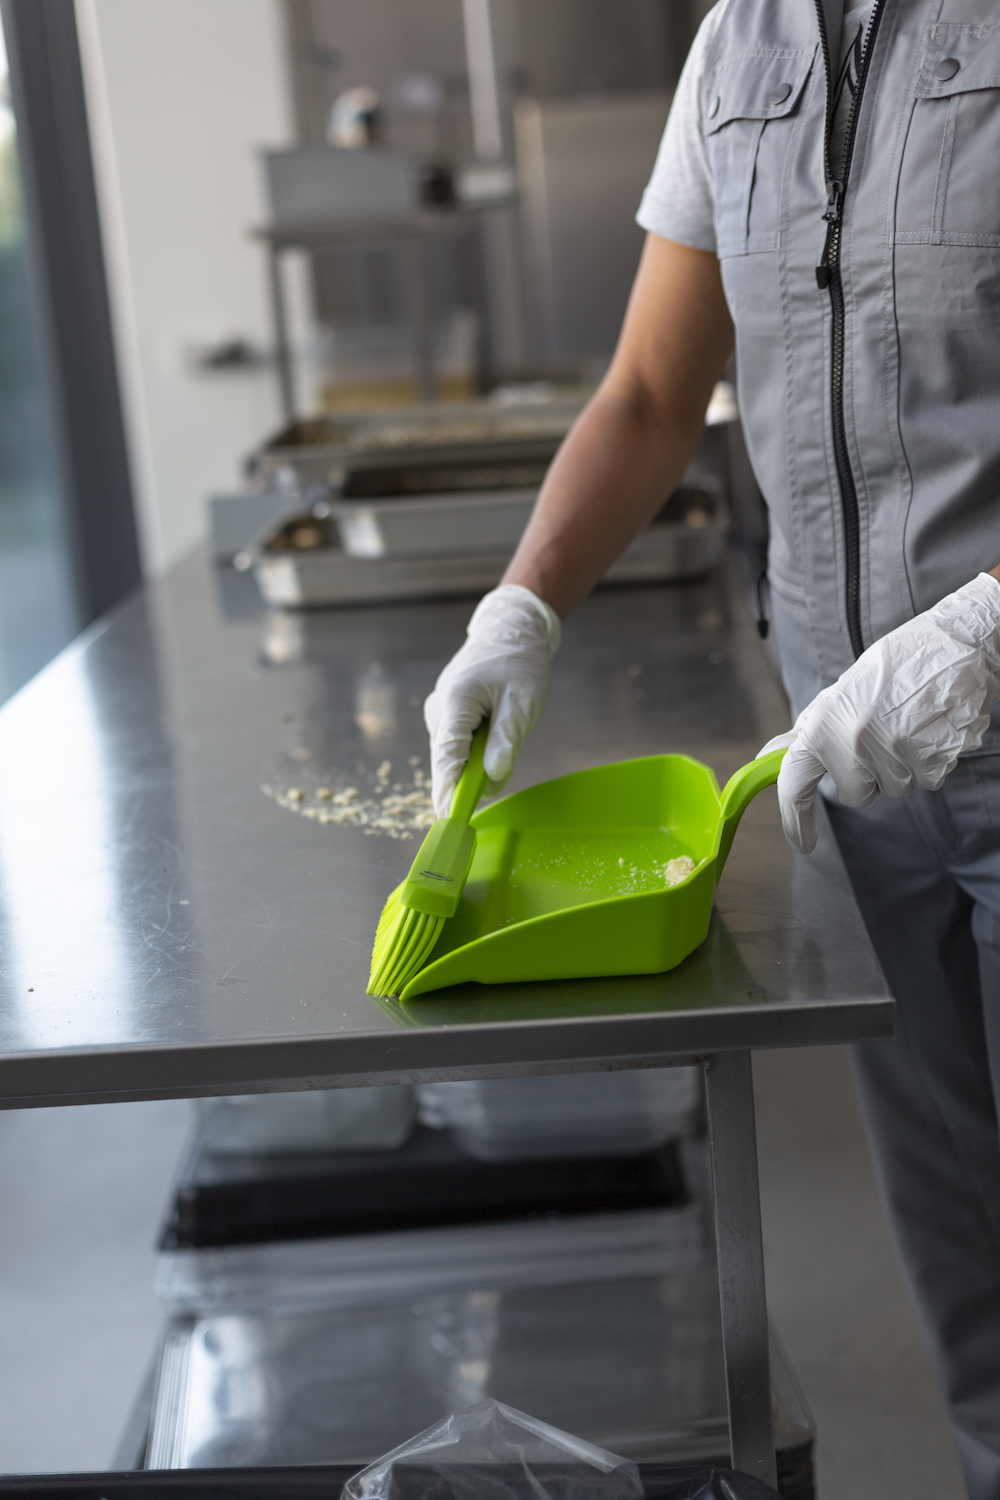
x,y
568,878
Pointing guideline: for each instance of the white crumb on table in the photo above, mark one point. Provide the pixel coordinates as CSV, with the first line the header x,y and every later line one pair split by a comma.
x,y
403,812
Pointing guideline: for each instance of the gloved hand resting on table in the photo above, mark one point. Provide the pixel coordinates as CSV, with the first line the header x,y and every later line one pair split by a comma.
x,y
501,673
898,719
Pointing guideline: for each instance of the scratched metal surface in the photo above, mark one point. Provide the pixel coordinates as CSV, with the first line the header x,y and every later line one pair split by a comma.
x,y
168,928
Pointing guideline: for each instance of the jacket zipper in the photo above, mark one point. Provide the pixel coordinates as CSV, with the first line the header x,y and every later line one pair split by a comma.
x,y
828,277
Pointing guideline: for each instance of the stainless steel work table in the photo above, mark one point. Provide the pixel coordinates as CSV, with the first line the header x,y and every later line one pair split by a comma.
x,y
170,929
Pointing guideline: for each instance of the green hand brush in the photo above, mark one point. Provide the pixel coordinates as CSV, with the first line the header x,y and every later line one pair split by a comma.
x,y
416,911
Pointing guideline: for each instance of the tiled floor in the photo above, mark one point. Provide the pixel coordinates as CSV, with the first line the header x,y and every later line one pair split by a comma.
x,y
836,1294
83,1190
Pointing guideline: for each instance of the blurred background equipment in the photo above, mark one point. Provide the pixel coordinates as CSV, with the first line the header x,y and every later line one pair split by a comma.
x,y
462,197
424,272
563,105
432,500
582,165
354,119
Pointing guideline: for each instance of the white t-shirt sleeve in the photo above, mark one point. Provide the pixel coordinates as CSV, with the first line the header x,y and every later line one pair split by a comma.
x,y
679,202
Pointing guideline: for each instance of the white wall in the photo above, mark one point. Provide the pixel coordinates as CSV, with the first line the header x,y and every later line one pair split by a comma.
x,y
180,93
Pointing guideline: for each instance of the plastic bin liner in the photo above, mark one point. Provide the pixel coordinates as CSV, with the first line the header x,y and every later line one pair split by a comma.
x,y
348,1120
492,1452
575,1114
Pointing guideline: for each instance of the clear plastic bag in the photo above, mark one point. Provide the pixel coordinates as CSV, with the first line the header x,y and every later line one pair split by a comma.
x,y
492,1452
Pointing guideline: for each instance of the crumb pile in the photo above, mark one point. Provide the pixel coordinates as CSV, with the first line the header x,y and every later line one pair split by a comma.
x,y
674,871
392,808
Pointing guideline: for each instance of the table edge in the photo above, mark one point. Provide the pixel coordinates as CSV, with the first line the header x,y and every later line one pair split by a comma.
x,y
90,1075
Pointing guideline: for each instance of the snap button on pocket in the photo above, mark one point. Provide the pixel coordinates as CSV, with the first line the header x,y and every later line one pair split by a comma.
x,y
749,118
948,190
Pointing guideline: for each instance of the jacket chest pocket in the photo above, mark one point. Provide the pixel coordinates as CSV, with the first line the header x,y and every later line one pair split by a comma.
x,y
749,108
949,180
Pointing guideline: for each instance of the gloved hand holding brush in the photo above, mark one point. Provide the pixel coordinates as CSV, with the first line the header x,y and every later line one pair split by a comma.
x,y
898,719
500,674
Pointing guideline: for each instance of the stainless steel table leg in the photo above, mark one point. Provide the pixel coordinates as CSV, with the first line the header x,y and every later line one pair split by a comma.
x,y
733,1136
420,317
282,350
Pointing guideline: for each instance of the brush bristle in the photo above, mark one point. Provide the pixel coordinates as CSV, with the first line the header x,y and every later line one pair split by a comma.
x,y
403,941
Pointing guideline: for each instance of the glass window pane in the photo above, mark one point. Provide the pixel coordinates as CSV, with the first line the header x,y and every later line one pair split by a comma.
x,y
38,613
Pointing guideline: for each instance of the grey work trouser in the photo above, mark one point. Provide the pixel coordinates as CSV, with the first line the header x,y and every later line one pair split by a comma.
x,y
926,874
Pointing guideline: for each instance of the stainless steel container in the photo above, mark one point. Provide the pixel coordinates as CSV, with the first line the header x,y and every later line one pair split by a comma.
x,y
316,183
329,576
349,1270
472,435
435,525
395,548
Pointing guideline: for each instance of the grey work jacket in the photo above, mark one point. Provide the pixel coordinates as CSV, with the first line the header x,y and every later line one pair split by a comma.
x,y
919,261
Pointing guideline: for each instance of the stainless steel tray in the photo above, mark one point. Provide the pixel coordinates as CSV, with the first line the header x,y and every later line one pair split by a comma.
x,y
295,577
331,577
330,449
356,1269
434,526
633,1365
477,524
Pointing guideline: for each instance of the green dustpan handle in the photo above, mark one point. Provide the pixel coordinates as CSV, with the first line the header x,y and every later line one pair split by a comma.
x,y
737,794
473,780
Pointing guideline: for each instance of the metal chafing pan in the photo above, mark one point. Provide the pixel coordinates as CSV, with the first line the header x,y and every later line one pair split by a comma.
x,y
443,525
351,551
419,448
434,447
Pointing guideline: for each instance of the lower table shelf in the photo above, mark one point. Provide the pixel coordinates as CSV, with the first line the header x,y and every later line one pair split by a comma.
x,y
634,1366
325,1482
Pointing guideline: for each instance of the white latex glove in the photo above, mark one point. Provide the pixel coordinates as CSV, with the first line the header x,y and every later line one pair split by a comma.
x,y
897,721
501,673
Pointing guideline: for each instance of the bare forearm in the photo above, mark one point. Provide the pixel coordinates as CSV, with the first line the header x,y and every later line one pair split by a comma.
x,y
633,442
607,482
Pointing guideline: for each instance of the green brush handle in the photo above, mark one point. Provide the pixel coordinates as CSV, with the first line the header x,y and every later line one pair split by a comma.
x,y
473,780
440,870
737,794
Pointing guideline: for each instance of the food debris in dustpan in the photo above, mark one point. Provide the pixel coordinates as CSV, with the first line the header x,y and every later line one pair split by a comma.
x,y
401,813
588,866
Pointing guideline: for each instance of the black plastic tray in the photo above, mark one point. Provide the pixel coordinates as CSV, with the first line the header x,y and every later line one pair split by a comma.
x,y
429,1182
